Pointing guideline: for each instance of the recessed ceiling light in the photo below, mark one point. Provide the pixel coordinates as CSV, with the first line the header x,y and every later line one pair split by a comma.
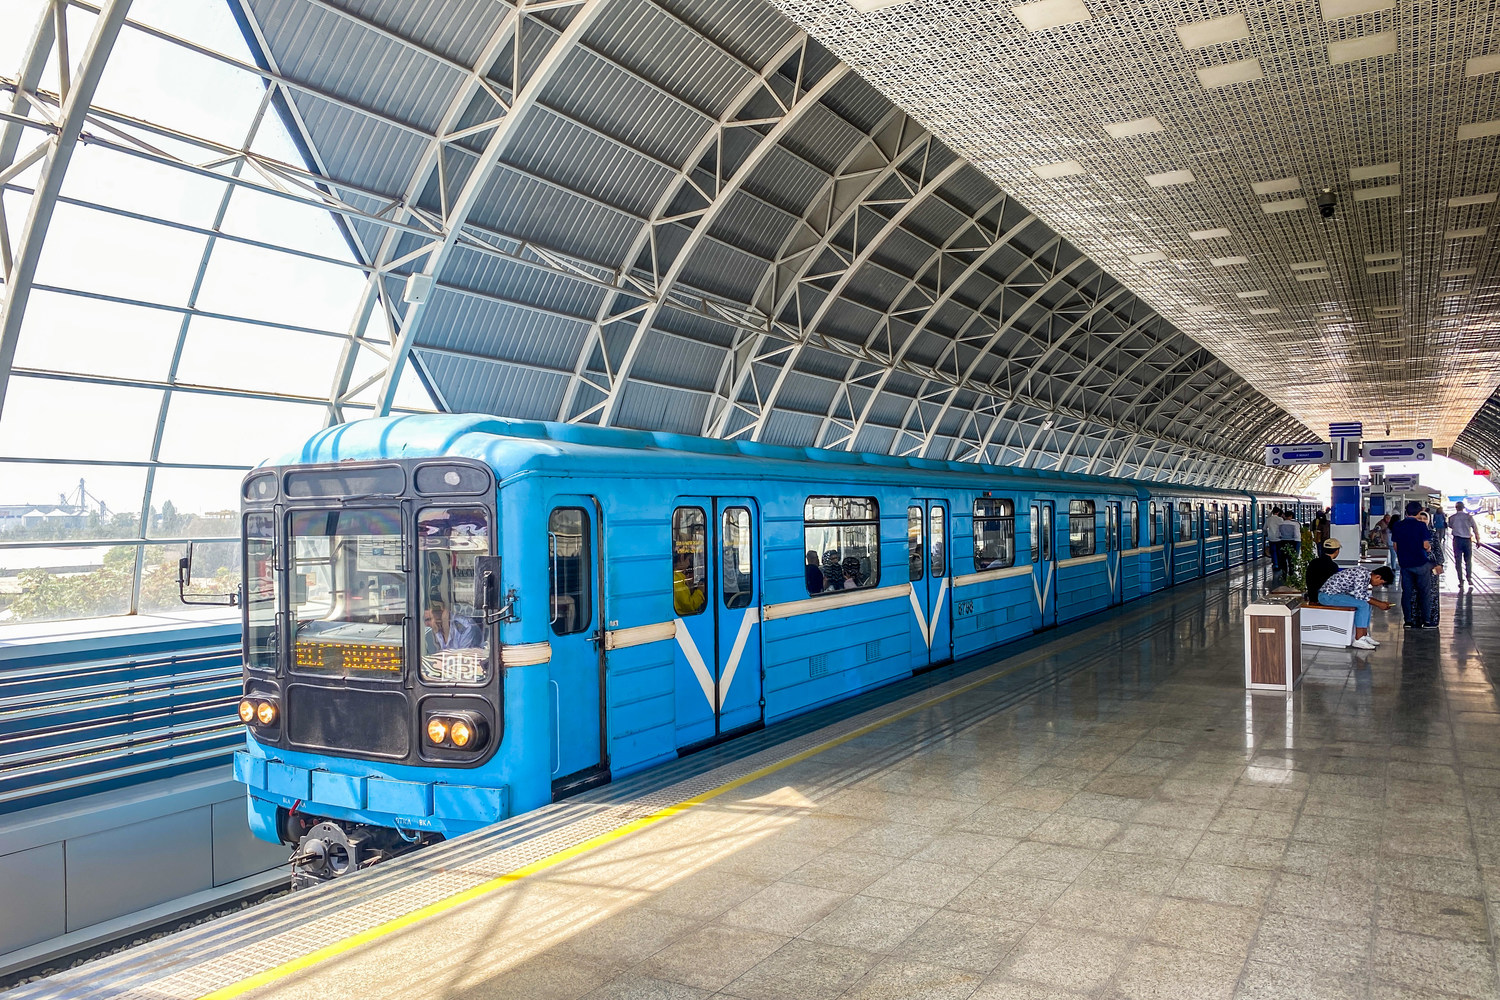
x,y
870,6
1315,276
1372,193
1464,234
1479,130
1209,234
1277,186
1383,269
1062,168
1309,265
1472,199
1136,126
1229,261
1480,65
1289,205
1240,71
1199,34
1376,258
1363,47
1454,295
1259,293
1147,258
1337,10
1278,333
1463,272
1386,310
1264,312
1198,307
1377,170
1170,178
1044,14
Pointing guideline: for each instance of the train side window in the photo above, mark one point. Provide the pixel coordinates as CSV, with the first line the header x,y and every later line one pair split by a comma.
x,y
1133,534
1184,522
570,556
260,588
689,561
1151,528
914,543
846,530
995,534
455,642
737,559
939,557
1211,528
1080,528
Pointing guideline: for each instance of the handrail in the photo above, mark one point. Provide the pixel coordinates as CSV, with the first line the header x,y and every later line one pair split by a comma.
x,y
73,729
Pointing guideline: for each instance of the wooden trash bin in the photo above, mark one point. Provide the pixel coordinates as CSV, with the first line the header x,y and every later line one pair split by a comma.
x,y
1273,643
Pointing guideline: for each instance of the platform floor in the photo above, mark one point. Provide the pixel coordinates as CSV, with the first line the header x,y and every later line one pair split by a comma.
x,y
1127,822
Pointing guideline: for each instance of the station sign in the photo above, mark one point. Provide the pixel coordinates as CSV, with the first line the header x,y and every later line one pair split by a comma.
x,y
1397,451
1311,453
1400,484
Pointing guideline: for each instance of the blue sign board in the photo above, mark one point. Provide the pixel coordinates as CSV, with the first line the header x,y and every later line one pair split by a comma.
x,y
1353,429
1312,453
1396,451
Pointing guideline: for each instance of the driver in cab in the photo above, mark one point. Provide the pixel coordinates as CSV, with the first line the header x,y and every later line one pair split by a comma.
x,y
447,631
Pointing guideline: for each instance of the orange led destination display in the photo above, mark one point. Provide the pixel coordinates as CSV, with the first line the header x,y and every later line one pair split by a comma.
x,y
340,656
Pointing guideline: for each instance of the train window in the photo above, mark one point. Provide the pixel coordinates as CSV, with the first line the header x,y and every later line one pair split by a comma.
x,y
455,641
1151,532
260,591
384,480
570,570
939,554
1080,528
451,479
1184,522
260,487
348,590
914,543
738,565
1211,527
689,561
846,530
1133,533
994,534
1036,534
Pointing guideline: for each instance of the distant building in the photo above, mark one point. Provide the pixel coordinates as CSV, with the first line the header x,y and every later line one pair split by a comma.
x,y
14,517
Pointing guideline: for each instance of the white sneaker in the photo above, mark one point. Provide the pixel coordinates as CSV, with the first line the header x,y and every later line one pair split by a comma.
x,y
1364,642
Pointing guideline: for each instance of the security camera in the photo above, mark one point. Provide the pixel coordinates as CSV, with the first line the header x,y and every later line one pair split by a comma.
x,y
1327,202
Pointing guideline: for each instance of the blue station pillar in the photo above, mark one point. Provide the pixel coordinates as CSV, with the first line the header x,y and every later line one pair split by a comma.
x,y
1346,514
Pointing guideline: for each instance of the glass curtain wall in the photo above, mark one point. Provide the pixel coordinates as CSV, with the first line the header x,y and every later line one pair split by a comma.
x,y
192,303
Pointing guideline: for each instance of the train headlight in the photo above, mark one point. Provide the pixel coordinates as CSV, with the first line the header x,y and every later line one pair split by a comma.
x,y
461,733
457,731
265,713
437,732
247,711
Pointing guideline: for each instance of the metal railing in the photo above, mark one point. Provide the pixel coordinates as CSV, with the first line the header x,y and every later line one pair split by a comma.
x,y
72,729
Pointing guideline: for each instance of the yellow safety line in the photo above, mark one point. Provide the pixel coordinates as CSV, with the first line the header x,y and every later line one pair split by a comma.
x,y
666,812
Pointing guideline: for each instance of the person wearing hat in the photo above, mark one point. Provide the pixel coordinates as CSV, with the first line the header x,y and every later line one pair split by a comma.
x,y
1321,568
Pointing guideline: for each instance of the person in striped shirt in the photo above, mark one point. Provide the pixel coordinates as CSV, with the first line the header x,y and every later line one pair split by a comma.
x,y
1350,588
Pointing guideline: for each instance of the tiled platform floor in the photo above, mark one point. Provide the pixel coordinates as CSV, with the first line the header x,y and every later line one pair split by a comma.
x,y
1142,829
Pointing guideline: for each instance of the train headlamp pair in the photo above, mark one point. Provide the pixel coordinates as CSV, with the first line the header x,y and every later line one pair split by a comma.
x,y
257,711
457,731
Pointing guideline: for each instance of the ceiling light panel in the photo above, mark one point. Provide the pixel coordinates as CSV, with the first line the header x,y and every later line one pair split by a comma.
x,y
1229,261
1363,47
1463,201
1337,10
1482,65
1148,258
1278,186
1132,128
1466,234
1201,34
870,6
1391,169
1479,130
1208,234
1227,75
1374,193
1170,178
1309,265
1062,168
1045,14
1383,269
1376,258
1287,205
1259,293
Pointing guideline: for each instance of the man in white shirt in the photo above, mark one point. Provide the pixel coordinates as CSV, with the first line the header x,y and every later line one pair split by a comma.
x,y
1273,537
1464,531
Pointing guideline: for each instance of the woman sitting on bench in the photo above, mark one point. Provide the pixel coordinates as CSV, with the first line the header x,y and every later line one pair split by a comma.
x,y
1350,588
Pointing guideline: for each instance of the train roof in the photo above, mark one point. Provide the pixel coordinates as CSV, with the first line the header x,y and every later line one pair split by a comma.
x,y
512,447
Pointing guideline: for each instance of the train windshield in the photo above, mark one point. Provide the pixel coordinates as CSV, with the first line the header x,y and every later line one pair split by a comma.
x,y
455,642
348,592
260,591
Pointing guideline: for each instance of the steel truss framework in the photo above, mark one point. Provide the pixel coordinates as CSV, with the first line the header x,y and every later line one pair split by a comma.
x,y
897,301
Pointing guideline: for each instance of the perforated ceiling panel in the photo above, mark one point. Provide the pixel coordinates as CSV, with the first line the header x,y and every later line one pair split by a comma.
x,y
1183,145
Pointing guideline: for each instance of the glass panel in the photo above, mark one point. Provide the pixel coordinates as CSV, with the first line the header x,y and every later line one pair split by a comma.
x,y
571,571
226,430
119,180
51,418
1036,534
380,480
738,559
1154,515
1047,536
1081,527
455,641
1184,522
939,553
914,543
260,591
216,573
42,502
348,592
257,358
309,293
847,531
994,534
73,333
92,251
194,503
57,583
689,560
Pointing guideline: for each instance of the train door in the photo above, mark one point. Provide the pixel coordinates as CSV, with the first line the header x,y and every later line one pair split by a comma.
x,y
1043,566
716,604
575,560
1201,520
1112,548
929,568
1169,541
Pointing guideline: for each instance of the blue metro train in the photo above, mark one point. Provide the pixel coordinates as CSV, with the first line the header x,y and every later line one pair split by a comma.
x,y
453,619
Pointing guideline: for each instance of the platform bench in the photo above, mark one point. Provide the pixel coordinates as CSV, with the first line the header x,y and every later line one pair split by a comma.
x,y
1326,625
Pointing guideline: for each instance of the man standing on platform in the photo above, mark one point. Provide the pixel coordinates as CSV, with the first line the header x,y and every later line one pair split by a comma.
x,y
1464,531
1413,543
1272,528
